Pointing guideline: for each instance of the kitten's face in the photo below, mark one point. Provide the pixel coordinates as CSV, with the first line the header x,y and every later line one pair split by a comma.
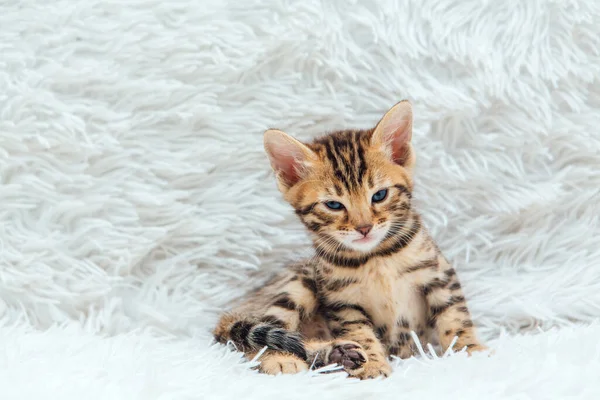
x,y
353,195
351,189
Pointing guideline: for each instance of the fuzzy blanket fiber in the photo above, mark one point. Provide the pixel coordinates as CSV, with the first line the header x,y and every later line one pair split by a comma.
x,y
136,199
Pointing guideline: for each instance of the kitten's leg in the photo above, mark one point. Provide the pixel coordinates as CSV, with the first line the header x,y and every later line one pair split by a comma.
x,y
289,300
351,322
448,312
403,345
293,302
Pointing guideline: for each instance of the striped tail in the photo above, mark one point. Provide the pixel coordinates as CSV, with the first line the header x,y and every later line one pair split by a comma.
x,y
249,334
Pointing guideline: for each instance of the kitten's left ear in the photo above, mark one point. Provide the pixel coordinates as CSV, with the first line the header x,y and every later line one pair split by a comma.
x,y
393,134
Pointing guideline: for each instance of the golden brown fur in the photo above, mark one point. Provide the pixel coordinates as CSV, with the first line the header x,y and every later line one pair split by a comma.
x,y
376,276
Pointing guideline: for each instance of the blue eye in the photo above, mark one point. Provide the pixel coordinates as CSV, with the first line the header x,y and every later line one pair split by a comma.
x,y
334,205
379,196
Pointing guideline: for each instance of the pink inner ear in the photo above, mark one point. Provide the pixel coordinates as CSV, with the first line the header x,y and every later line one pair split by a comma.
x,y
288,156
285,159
399,143
287,166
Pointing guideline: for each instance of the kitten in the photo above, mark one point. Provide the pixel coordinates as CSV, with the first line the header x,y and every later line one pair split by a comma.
x,y
376,275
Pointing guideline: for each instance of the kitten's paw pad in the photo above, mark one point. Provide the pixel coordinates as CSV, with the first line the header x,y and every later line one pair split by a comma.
x,y
349,355
282,365
373,370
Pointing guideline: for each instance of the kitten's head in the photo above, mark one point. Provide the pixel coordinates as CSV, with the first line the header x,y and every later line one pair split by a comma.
x,y
351,189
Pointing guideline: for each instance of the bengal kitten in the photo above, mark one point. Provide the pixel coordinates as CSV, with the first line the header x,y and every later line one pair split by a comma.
x,y
377,273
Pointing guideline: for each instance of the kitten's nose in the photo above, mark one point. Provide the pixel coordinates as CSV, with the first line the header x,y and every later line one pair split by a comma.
x,y
364,229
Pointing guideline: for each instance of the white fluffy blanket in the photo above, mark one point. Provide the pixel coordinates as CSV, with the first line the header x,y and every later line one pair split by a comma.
x,y
136,199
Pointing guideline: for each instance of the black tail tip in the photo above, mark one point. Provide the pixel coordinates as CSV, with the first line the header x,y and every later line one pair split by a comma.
x,y
290,342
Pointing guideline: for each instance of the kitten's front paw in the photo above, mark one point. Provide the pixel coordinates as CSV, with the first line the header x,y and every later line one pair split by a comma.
x,y
374,369
348,354
282,364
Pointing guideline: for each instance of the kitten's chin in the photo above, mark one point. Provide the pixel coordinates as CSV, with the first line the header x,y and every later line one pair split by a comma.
x,y
364,245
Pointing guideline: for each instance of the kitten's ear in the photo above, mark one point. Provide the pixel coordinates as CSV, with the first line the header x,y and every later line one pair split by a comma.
x,y
289,157
393,133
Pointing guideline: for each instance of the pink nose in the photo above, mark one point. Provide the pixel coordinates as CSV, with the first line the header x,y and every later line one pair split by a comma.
x,y
364,229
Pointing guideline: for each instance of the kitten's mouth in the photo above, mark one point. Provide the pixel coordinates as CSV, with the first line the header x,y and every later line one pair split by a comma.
x,y
366,239
364,244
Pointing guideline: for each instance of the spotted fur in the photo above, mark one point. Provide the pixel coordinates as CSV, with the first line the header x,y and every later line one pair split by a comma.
x,y
376,275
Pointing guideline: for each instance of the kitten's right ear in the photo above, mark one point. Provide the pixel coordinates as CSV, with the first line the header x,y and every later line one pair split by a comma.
x,y
289,158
